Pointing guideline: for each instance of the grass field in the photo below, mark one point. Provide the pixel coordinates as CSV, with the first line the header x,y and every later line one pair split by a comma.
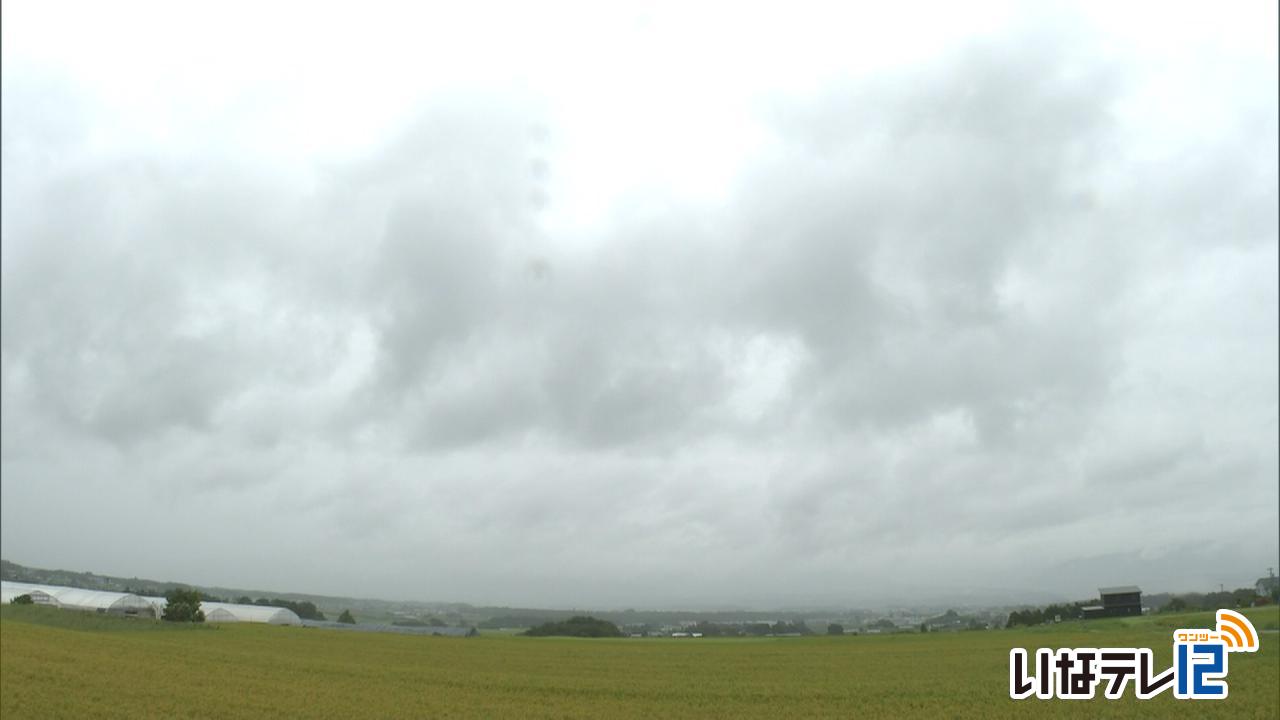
x,y
62,664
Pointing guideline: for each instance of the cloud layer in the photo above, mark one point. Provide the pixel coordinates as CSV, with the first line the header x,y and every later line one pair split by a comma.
x,y
997,320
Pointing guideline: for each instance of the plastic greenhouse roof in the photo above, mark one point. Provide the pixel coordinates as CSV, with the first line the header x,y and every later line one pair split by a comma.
x,y
83,599
219,615
255,613
235,612
11,590
101,599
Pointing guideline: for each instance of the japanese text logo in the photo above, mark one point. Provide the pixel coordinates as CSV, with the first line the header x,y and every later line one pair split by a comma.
x,y
1199,669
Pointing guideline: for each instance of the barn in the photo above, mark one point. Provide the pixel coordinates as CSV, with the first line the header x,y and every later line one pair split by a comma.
x,y
1117,601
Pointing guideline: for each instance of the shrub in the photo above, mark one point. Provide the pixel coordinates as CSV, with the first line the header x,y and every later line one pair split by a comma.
x,y
182,606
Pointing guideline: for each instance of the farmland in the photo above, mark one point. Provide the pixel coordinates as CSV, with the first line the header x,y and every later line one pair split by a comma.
x,y
62,664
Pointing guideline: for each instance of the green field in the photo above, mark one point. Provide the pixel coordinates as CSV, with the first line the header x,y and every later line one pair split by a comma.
x,y
62,664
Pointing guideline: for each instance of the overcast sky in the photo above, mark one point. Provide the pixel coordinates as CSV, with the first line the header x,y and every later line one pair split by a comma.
x,y
652,306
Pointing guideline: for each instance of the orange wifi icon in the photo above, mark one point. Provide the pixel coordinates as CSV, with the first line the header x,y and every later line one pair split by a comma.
x,y
1237,632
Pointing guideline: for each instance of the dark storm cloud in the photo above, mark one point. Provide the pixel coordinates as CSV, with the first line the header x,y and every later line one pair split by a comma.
x,y
960,317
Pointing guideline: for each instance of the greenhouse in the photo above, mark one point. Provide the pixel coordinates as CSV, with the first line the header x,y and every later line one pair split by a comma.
x,y
104,602
251,613
10,590
134,606
217,614
235,612
69,598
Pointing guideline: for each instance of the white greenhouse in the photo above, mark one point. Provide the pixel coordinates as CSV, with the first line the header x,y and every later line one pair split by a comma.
x,y
252,613
101,601
11,590
134,606
216,615
235,612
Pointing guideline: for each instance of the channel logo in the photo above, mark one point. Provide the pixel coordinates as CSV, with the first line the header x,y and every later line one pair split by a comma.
x,y
1199,669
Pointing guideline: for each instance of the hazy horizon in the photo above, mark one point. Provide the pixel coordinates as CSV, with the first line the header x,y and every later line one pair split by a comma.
x,y
644,306
976,598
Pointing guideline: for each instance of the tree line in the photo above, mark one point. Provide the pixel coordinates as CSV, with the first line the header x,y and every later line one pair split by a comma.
x,y
304,609
1048,614
577,626
1188,602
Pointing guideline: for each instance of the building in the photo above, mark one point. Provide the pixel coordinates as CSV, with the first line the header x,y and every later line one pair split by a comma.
x,y
236,612
131,605
1267,586
218,615
252,613
10,590
1118,601
69,598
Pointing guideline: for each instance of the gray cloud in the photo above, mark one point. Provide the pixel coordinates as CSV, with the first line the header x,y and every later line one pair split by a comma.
x,y
973,323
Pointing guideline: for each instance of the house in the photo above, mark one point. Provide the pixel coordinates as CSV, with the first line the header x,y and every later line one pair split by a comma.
x,y
1267,586
1116,602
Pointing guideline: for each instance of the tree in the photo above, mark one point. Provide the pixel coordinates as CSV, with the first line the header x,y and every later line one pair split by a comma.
x,y
782,627
347,617
835,629
182,606
305,609
577,626
22,600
